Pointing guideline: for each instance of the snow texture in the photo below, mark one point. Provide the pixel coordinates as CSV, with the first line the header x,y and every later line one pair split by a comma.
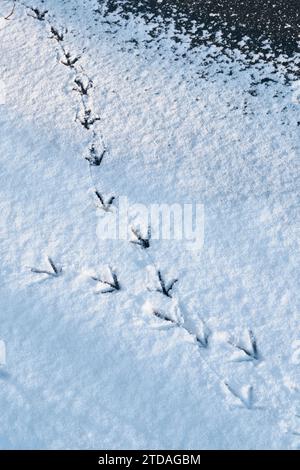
x,y
215,365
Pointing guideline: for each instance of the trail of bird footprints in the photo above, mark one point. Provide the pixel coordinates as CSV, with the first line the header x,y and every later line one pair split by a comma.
x,y
108,284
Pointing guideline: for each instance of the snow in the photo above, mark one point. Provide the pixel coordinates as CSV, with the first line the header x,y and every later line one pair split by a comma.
x,y
89,370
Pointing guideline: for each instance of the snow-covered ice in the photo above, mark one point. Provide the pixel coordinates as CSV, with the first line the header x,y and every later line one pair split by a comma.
x,y
215,365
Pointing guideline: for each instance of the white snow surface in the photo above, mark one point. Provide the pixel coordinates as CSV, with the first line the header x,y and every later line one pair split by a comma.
x,y
101,371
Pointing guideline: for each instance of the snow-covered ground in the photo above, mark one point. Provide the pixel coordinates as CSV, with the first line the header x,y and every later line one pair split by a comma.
x,y
109,371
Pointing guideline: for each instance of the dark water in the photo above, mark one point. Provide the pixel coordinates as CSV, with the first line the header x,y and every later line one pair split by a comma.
x,y
274,20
